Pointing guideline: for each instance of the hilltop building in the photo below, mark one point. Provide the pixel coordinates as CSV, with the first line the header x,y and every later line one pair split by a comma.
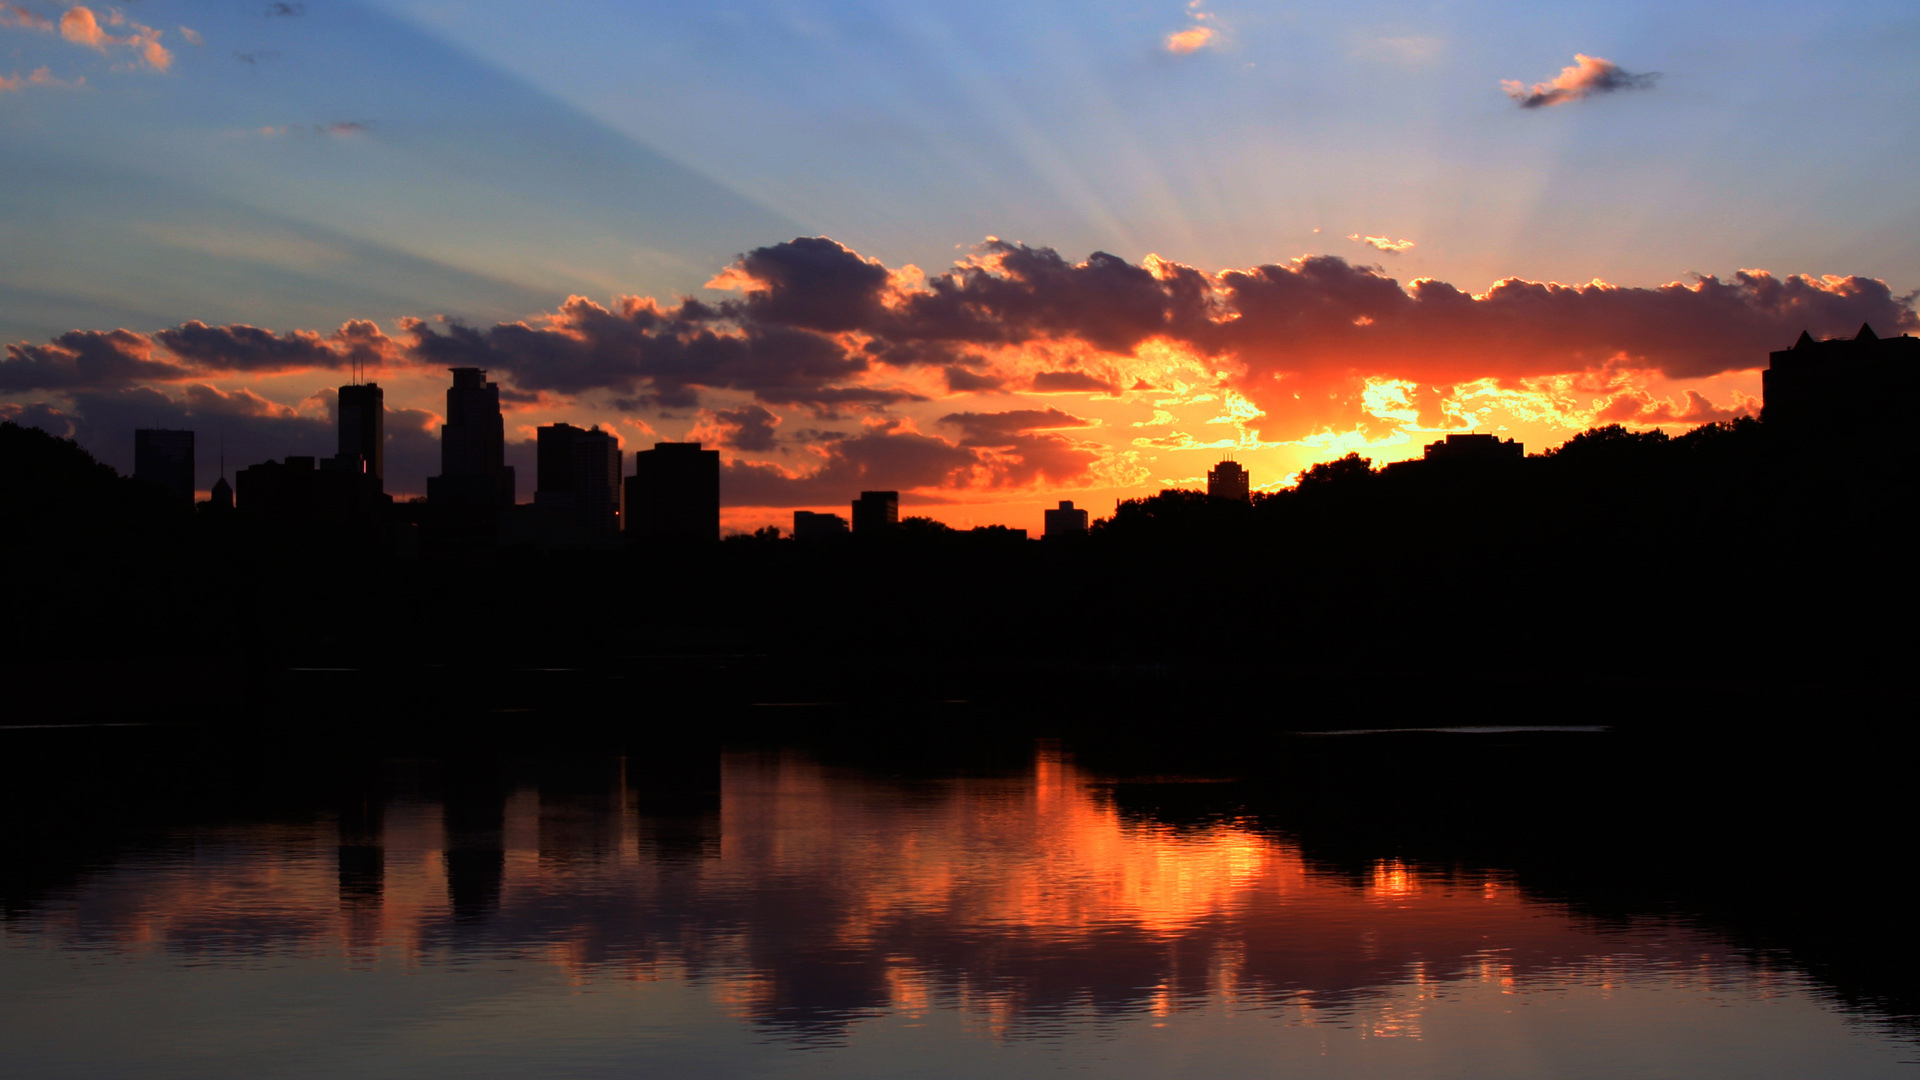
x,y
473,469
876,513
674,493
1066,522
811,527
1474,447
1228,480
578,487
1814,389
163,460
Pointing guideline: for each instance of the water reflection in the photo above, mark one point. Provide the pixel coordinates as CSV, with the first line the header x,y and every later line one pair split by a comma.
x,y
801,900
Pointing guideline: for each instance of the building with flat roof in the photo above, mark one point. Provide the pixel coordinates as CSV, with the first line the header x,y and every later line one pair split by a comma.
x,y
1228,480
876,513
362,415
579,473
163,460
674,493
1066,522
812,527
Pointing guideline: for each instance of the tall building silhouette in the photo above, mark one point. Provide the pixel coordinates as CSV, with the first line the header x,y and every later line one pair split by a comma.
x,y
473,469
163,459
876,513
578,483
1474,447
1066,522
1814,389
362,413
674,493
1228,480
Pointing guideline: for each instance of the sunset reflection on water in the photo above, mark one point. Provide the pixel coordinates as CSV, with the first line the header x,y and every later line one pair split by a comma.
x,y
834,908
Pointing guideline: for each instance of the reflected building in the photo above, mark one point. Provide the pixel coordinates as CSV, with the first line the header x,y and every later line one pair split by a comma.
x,y
876,513
163,460
674,493
1228,480
813,527
1066,522
578,486
473,469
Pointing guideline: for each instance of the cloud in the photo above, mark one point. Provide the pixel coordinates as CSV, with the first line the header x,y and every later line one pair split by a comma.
x,y
344,127
1196,37
1192,39
80,26
1640,407
1587,76
15,15
40,76
874,461
193,36
1381,243
286,11
82,360
748,428
1070,382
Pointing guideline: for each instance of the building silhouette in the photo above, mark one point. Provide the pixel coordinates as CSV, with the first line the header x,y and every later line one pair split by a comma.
x,y
1066,522
473,469
163,460
295,494
810,527
674,493
578,486
1228,480
876,513
1474,448
1814,389
362,413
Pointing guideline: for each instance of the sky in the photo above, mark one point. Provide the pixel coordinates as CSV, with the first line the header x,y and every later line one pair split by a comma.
x,y
992,255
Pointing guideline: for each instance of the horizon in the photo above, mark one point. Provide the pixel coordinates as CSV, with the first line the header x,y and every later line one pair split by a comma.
x,y
1506,223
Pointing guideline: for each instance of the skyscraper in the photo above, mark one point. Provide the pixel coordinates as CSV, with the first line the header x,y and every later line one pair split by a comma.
x,y
363,429
473,469
579,478
1228,480
674,493
163,459
876,513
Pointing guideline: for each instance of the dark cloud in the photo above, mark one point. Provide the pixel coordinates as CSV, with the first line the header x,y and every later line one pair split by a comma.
x,y
875,461
86,359
247,348
1588,75
811,282
1071,382
987,426
1023,448
286,11
749,428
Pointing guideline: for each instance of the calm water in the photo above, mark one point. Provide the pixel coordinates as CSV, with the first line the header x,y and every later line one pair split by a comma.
x,y
767,915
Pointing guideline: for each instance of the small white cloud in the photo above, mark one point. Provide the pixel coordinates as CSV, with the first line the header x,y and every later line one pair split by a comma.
x,y
193,36
1381,243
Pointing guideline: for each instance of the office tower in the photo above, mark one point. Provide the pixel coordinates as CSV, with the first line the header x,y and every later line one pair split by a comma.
x,y
221,497
473,469
1066,522
674,493
1228,480
809,526
876,513
363,430
163,459
579,478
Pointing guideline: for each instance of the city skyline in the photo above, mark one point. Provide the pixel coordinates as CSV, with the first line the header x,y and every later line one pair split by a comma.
x,y
1324,232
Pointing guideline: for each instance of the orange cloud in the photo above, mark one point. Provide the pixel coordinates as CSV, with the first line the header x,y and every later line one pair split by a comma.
x,y
1189,40
80,27
15,15
1587,76
40,76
